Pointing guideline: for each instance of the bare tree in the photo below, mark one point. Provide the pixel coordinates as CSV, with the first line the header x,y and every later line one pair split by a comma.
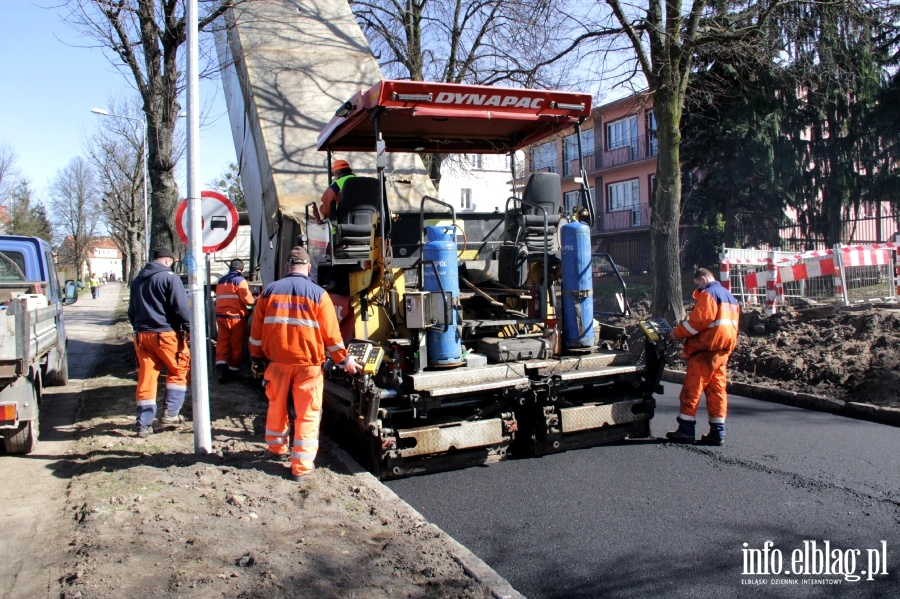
x,y
142,38
116,152
8,175
75,211
229,184
466,41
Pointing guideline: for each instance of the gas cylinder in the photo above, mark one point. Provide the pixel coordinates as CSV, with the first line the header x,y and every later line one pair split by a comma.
x,y
441,270
577,287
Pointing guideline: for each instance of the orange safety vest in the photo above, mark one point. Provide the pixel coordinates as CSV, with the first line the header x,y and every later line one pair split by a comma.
x,y
233,296
294,323
713,323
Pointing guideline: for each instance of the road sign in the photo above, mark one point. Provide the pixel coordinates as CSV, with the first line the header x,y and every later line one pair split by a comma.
x,y
219,221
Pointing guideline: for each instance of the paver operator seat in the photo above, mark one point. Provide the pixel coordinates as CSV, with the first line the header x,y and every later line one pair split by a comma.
x,y
544,190
356,211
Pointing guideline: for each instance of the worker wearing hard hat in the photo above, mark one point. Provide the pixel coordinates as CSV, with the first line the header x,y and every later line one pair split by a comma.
x,y
340,172
710,333
294,324
233,301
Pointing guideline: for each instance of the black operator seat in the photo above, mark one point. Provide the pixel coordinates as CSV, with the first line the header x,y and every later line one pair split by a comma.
x,y
356,212
545,190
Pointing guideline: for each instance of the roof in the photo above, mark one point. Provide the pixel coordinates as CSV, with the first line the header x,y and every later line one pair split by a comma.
x,y
421,116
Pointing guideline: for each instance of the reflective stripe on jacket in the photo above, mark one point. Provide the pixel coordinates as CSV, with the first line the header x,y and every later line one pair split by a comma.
x,y
294,323
713,323
233,295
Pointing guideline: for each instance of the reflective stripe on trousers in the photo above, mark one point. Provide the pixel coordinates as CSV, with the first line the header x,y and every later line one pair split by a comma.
x,y
305,384
155,351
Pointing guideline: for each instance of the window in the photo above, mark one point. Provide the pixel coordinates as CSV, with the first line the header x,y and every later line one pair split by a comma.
x,y
465,198
476,161
571,199
12,266
543,157
623,196
622,133
570,151
652,139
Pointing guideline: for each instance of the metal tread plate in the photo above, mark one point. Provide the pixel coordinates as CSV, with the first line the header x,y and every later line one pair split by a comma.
x,y
582,418
453,437
444,382
587,362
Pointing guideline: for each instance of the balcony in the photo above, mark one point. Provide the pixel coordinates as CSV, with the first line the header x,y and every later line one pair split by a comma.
x,y
640,148
570,167
636,217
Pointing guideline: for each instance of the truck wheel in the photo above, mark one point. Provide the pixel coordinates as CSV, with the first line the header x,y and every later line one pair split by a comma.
x,y
24,439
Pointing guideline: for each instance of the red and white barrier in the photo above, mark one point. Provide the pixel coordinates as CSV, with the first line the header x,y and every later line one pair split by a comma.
x,y
813,264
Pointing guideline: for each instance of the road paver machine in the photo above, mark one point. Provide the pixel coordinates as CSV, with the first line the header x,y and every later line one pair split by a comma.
x,y
482,334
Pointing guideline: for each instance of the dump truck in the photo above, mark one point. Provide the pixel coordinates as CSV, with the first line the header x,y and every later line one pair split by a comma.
x,y
33,341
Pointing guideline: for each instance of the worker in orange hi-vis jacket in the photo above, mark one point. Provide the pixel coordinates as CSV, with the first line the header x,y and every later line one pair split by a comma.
x,y
293,325
233,301
710,333
159,314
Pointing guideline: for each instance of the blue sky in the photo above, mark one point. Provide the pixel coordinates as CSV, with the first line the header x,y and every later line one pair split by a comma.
x,y
48,86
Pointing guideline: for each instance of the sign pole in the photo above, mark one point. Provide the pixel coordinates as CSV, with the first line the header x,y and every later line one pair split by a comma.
x,y
194,259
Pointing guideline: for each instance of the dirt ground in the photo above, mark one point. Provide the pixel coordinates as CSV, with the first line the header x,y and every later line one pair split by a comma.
x,y
155,520
851,355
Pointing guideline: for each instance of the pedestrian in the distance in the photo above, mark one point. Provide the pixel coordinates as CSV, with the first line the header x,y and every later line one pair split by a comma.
x,y
95,286
710,333
294,323
159,314
233,301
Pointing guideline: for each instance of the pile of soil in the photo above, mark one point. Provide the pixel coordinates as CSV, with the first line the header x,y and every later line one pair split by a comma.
x,y
154,519
847,354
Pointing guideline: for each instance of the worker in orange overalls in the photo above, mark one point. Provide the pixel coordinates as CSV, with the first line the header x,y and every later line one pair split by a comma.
x,y
159,314
294,323
710,333
233,301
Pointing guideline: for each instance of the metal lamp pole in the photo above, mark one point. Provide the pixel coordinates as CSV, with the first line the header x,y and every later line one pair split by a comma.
x,y
144,152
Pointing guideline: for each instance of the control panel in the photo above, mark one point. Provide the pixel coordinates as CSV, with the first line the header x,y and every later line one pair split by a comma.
x,y
655,328
367,354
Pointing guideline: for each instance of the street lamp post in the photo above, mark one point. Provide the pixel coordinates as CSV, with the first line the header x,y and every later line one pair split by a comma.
x,y
143,122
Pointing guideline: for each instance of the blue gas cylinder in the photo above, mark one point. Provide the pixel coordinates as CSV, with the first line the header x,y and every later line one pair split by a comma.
x,y
444,346
577,287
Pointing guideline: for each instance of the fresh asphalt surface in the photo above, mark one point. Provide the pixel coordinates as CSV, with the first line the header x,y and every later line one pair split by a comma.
x,y
646,518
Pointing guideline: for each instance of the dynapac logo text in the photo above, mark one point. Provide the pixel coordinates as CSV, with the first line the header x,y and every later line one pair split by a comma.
x,y
486,100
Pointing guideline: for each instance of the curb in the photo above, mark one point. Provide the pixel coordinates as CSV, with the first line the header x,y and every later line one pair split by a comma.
x,y
471,564
850,409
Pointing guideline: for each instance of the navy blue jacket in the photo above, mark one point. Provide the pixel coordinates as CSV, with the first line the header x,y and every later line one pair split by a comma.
x,y
158,301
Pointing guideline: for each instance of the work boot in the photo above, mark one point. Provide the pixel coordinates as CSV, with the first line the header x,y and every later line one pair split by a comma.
x,y
685,433
143,433
170,419
222,373
716,436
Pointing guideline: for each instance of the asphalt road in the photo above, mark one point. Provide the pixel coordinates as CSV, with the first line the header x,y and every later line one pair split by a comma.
x,y
646,518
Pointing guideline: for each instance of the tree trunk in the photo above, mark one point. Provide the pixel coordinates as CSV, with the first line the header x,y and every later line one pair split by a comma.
x,y
666,215
164,196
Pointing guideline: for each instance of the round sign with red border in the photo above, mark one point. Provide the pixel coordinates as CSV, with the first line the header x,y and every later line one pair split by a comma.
x,y
218,221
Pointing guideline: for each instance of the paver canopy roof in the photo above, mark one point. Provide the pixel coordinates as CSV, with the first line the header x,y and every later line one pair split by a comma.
x,y
416,116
